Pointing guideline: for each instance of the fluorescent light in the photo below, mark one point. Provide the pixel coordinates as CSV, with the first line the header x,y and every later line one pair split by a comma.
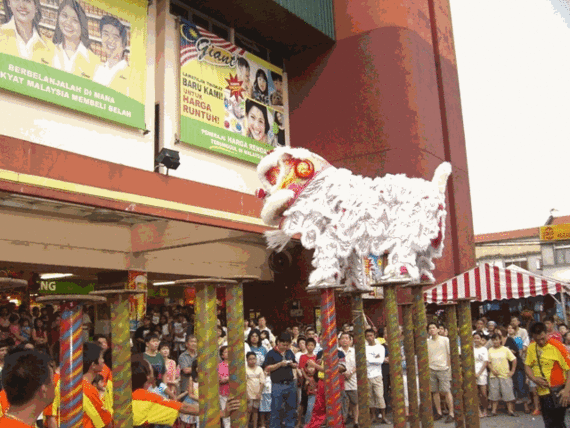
x,y
55,275
164,283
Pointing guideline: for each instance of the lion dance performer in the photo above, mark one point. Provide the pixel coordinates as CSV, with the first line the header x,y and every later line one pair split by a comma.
x,y
345,217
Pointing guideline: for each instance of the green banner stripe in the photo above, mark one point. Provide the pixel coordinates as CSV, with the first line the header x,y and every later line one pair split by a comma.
x,y
222,141
77,93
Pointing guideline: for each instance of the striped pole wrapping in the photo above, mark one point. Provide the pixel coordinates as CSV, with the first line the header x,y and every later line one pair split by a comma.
x,y
71,343
470,396
409,350
360,356
393,330
330,357
236,350
456,375
121,351
426,411
207,356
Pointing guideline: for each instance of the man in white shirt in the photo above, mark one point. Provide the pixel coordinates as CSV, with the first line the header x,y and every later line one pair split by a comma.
x,y
262,326
350,396
375,355
440,371
519,331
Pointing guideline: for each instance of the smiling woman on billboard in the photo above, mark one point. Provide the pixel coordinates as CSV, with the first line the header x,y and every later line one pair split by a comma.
x,y
71,39
20,35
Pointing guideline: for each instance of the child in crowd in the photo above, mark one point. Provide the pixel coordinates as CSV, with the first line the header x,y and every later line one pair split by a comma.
x,y
172,375
191,397
265,340
99,383
224,379
265,404
311,391
25,329
255,383
481,362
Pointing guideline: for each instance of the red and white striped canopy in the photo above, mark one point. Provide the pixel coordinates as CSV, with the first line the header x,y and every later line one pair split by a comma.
x,y
486,282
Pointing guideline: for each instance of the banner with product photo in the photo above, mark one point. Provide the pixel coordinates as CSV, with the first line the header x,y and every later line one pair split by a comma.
x,y
231,102
86,55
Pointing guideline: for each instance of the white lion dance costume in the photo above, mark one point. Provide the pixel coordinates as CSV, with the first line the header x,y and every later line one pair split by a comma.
x,y
345,217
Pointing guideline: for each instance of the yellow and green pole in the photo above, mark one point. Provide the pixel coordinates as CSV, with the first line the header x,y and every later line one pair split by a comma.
x,y
236,347
421,336
456,374
394,348
410,353
470,396
359,322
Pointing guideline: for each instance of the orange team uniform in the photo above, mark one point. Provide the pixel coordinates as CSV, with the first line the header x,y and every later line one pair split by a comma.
x,y
3,403
106,374
94,413
151,408
12,423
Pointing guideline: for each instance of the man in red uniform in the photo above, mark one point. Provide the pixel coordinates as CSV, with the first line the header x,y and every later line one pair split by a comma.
x,y
27,380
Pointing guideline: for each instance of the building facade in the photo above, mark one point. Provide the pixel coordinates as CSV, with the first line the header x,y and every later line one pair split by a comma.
x,y
371,86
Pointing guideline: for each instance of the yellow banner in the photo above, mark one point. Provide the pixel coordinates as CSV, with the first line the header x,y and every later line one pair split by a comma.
x,y
559,232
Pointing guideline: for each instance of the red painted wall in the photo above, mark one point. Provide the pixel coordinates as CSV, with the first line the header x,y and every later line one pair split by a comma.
x,y
385,99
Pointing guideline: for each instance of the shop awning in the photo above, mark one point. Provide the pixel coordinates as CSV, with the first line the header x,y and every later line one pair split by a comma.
x,y
485,283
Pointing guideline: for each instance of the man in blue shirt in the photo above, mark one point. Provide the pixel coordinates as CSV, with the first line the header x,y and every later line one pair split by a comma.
x,y
279,363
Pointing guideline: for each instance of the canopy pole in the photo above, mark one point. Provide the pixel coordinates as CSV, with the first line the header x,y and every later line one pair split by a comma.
x,y
563,300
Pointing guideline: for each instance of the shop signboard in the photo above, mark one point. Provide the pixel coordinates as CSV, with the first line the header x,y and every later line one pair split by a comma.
x,y
58,286
231,102
86,55
555,232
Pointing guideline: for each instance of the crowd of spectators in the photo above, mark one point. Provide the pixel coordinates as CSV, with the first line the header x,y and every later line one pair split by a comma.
x,y
285,371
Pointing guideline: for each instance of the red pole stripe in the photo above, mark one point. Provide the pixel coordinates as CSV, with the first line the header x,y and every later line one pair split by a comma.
x,y
454,288
466,285
497,279
520,285
488,278
478,283
508,280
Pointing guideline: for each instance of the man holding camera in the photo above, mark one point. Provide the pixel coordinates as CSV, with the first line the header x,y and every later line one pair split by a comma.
x,y
279,363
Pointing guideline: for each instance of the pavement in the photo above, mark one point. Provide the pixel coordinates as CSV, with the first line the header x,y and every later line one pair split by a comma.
x,y
502,420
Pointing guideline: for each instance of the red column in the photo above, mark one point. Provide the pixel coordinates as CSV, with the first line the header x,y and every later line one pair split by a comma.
x,y
385,99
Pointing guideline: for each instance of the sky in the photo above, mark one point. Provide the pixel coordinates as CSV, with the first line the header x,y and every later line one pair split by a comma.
x,y
514,75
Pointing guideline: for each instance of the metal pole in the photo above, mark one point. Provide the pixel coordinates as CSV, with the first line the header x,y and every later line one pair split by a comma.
x,y
426,409
208,356
409,350
330,357
360,357
470,397
236,350
393,329
456,375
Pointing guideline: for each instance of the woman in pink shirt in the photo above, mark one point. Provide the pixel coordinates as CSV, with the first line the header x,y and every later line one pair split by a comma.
x,y
224,378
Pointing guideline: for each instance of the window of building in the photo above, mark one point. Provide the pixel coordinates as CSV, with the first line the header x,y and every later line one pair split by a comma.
x,y
562,255
522,263
178,8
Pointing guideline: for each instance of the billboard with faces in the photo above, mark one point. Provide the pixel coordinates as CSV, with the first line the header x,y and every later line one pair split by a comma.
x,y
231,102
86,55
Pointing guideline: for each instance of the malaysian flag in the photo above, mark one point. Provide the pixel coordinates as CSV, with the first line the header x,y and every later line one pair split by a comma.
x,y
192,33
